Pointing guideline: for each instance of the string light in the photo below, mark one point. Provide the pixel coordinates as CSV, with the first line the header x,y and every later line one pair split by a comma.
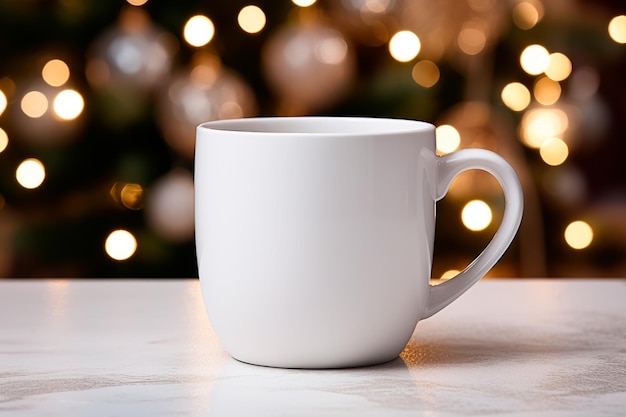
x,y
4,140
451,273
425,73
535,59
198,31
303,3
120,244
476,215
448,139
404,46
617,29
68,104
527,14
132,196
559,67
578,234
554,151
472,39
251,19
3,102
129,195
541,124
34,104
30,173
55,73
546,91
515,96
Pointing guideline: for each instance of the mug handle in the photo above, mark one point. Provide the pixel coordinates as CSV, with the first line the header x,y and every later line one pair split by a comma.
x,y
451,165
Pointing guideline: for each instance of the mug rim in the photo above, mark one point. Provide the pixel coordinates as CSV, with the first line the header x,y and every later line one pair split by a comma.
x,y
315,126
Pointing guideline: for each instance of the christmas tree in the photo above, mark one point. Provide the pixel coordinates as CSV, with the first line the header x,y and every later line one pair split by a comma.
x,y
99,103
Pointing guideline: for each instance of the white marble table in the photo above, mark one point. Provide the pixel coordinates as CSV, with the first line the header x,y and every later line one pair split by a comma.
x,y
146,348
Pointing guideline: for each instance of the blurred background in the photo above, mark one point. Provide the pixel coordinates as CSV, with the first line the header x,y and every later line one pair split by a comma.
x,y
99,101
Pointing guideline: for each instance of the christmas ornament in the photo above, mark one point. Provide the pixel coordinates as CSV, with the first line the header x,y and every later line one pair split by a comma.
x,y
207,92
134,54
125,63
170,206
308,66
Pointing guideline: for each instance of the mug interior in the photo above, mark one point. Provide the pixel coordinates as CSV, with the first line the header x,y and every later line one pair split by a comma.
x,y
319,125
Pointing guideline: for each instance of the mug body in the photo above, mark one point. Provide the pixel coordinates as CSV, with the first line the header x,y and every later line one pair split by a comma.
x,y
314,236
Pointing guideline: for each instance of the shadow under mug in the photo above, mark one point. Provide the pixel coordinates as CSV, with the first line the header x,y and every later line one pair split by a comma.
x,y
314,235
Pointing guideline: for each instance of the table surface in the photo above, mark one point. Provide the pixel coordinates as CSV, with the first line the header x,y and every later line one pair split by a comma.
x,y
146,347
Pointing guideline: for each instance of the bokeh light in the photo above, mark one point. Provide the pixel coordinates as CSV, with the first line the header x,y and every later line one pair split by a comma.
x,y
527,14
554,151
55,73
68,104
425,73
476,215
4,140
617,29
535,59
450,273
120,244
578,234
515,96
546,91
332,51
303,3
471,39
559,67
34,104
541,124
30,173
404,46
137,2
448,139
251,19
198,30
3,102
129,195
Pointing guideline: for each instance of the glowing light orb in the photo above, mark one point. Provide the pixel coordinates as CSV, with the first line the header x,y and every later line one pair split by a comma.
x,y
617,29
515,96
448,139
476,215
425,73
251,19
55,73
404,46
4,140
34,104
559,67
578,234
303,3
30,173
535,59
68,104
198,31
120,245
3,102
554,151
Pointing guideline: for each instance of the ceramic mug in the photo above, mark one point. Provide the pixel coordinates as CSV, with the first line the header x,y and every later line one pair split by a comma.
x,y
314,235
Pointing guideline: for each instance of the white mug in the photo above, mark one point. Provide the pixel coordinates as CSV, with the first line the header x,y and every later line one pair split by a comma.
x,y
314,235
